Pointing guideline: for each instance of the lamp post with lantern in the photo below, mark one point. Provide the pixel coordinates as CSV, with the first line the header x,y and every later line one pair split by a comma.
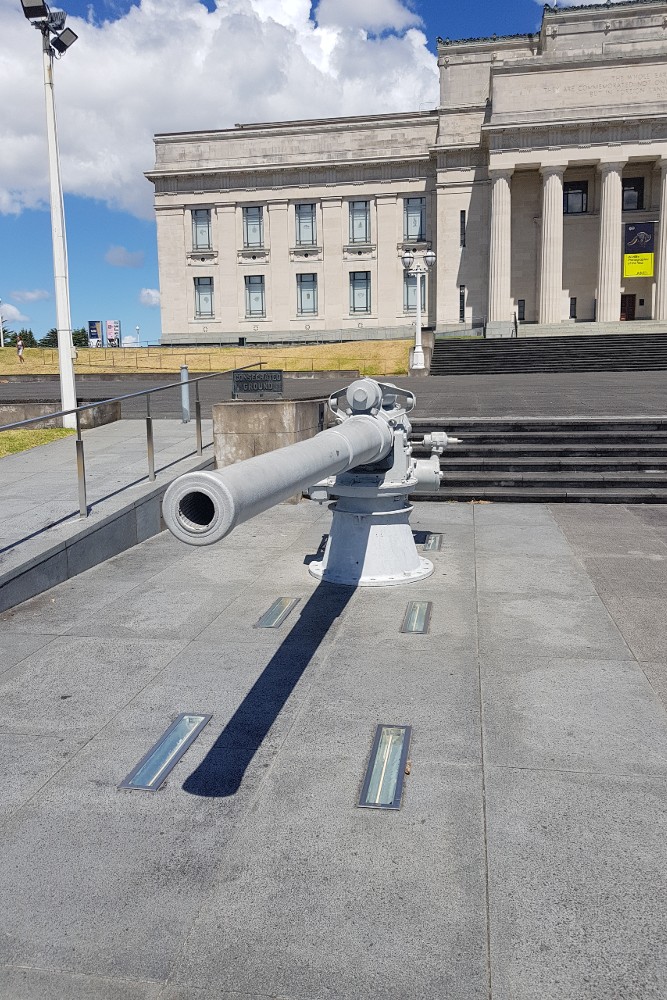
x,y
419,266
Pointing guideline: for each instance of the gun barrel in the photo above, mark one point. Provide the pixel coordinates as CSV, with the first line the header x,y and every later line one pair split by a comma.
x,y
202,507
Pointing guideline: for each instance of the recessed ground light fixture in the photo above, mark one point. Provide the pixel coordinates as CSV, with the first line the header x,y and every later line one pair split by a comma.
x,y
154,767
417,617
433,543
383,783
277,613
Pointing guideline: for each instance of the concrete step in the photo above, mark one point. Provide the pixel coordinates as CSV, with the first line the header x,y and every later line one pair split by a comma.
x,y
512,494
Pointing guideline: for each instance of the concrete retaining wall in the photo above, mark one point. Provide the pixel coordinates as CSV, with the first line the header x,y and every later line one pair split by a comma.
x,y
105,413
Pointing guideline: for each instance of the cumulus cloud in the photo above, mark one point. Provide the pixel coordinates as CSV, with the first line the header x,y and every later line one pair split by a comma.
x,y
120,257
371,15
11,314
36,295
149,297
172,65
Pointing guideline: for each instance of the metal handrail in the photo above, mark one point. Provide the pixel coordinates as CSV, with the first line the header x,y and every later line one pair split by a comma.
x,y
150,451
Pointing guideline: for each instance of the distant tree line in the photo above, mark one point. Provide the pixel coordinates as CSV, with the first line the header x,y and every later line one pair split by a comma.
x,y
79,338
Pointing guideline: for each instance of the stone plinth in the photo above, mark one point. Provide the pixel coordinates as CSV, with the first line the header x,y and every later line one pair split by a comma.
x,y
242,430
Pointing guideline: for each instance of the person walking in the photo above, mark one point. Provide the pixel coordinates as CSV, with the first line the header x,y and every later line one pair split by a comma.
x,y
19,349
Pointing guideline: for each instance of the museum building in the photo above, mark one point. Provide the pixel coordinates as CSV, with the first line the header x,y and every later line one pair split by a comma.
x,y
538,182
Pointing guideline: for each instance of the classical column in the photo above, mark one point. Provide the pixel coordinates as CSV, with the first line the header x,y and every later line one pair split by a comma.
x,y
551,258
609,259
661,281
500,246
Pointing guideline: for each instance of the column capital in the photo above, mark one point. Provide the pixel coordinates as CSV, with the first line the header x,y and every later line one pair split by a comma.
x,y
498,173
553,170
615,166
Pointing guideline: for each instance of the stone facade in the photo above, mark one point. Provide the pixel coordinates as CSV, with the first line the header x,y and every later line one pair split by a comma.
x,y
542,148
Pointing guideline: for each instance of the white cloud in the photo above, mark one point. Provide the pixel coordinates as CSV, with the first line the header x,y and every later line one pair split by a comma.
x,y
372,15
11,314
120,257
170,65
36,295
149,297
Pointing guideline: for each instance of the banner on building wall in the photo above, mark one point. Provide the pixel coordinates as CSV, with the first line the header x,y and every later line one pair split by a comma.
x,y
113,332
638,250
94,332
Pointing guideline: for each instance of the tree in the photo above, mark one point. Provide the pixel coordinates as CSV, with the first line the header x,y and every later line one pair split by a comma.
x,y
79,338
51,339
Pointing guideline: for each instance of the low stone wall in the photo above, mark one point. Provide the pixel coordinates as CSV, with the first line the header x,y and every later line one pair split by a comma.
x,y
104,413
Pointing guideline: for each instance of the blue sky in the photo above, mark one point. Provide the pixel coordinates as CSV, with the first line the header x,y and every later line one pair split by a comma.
x,y
174,65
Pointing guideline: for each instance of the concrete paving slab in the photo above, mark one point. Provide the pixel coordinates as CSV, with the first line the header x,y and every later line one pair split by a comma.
x,y
547,624
521,540
577,882
313,867
501,574
641,622
581,715
14,648
656,674
36,984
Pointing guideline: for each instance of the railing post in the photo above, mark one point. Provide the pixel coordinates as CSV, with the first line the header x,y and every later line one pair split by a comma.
x,y
81,469
198,418
149,440
185,395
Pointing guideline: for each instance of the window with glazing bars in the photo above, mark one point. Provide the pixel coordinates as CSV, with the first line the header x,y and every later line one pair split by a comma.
x,y
360,222
462,303
414,219
306,234
253,226
462,228
360,291
575,197
201,229
203,298
410,293
633,194
306,294
254,295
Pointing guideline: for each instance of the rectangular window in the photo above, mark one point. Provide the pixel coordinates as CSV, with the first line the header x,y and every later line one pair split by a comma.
x,y
201,228
462,303
360,222
410,293
521,310
360,291
254,295
203,298
306,294
253,226
462,228
414,219
575,197
573,308
633,194
306,233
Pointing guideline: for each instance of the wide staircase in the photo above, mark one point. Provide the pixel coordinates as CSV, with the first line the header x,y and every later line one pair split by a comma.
x,y
613,352
562,460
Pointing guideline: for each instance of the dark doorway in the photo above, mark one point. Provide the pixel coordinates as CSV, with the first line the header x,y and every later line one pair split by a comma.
x,y
628,306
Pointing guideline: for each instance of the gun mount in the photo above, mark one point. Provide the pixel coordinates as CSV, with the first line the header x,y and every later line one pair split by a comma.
x,y
364,463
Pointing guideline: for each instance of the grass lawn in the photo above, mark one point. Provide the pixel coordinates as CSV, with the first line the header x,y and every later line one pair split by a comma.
x,y
21,440
369,357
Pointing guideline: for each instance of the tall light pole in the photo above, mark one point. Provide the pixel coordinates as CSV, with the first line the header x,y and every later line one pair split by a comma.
x,y
56,41
2,327
419,266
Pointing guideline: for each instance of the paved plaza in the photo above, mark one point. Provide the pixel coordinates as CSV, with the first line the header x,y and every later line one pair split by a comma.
x,y
527,861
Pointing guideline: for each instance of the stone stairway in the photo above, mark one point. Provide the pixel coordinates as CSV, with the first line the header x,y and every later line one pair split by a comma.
x,y
569,460
604,352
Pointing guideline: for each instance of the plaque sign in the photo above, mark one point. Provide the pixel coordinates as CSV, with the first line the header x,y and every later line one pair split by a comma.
x,y
257,385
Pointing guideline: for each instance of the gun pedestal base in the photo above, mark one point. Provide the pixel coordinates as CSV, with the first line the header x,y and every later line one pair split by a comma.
x,y
371,545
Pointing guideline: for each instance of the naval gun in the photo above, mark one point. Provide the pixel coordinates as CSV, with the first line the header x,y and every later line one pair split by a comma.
x,y
364,463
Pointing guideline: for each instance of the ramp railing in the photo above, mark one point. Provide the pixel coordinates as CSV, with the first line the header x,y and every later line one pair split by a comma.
x,y
150,449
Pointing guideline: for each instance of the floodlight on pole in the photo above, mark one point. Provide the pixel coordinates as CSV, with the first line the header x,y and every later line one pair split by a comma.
x,y
56,41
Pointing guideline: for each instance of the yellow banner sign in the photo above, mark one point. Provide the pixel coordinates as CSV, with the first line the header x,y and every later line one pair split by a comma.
x,y
638,265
